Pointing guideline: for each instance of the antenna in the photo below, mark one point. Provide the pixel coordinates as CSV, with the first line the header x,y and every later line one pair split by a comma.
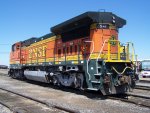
x,y
101,10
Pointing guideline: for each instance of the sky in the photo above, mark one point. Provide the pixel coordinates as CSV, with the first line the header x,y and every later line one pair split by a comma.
x,y
23,19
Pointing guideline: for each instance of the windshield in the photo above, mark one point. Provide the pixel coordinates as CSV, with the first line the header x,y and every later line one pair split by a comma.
x,y
146,65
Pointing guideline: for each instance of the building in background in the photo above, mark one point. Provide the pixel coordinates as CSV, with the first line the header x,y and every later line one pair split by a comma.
x,y
144,68
3,67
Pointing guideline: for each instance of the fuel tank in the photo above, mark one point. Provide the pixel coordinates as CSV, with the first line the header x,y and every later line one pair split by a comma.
x,y
36,75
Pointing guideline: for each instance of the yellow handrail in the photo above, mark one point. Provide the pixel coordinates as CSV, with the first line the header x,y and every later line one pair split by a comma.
x,y
108,50
119,51
133,50
122,53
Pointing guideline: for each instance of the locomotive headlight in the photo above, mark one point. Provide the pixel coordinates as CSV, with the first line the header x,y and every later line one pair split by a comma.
x,y
113,21
113,18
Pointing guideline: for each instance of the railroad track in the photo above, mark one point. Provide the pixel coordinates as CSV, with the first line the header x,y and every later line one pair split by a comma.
x,y
139,96
19,103
134,99
142,87
129,98
143,101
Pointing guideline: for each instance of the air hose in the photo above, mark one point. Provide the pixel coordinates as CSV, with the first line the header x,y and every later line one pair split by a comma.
x,y
120,73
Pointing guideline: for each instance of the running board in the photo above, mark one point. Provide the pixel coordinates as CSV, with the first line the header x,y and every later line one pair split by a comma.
x,y
93,89
96,82
98,74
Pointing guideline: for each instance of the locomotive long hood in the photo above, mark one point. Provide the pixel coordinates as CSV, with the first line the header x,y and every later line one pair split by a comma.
x,y
86,19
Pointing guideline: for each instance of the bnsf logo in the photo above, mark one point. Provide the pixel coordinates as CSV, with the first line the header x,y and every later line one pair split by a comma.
x,y
37,52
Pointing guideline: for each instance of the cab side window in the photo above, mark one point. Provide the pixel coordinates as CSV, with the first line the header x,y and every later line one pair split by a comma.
x,y
13,47
17,47
67,50
71,49
59,51
75,49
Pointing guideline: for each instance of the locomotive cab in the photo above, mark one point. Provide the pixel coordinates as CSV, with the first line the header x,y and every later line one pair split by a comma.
x,y
107,64
15,54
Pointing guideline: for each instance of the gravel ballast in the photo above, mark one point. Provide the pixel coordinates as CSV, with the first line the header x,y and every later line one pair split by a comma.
x,y
70,99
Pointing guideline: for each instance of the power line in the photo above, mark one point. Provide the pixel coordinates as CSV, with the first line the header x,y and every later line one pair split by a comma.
x,y
5,44
4,52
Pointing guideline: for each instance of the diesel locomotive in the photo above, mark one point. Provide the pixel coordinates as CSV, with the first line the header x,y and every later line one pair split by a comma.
x,y
83,52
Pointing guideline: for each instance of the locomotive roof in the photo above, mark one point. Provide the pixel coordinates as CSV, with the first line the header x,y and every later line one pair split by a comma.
x,y
86,19
28,41
34,39
45,37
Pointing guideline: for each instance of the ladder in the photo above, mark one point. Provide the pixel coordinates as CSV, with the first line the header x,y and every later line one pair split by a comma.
x,y
96,81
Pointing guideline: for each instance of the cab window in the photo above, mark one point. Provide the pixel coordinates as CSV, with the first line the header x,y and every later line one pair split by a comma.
x,y
76,49
67,50
59,51
71,49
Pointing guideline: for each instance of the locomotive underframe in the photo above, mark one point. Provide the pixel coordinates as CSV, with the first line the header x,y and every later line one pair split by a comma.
x,y
112,78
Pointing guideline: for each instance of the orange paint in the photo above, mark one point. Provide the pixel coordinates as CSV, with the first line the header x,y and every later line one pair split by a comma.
x,y
57,48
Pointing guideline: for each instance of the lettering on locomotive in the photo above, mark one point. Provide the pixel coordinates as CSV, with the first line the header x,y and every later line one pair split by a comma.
x,y
37,52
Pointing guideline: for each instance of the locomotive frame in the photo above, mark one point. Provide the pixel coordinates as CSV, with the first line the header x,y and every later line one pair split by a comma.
x,y
83,52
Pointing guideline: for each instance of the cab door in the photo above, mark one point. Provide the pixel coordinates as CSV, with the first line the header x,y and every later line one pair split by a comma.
x,y
85,48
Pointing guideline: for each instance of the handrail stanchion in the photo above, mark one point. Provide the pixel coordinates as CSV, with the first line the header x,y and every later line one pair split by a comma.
x,y
118,50
127,50
108,50
89,58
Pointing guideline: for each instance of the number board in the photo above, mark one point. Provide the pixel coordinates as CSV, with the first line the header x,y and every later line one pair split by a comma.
x,y
102,26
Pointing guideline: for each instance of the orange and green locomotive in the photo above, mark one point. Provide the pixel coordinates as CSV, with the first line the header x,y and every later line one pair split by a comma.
x,y
83,52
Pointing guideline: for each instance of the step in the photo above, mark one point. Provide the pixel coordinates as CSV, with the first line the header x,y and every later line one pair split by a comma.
x,y
109,73
93,89
100,59
97,82
98,74
99,67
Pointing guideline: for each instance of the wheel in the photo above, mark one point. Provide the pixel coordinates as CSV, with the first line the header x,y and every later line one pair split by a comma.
x,y
78,82
55,79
